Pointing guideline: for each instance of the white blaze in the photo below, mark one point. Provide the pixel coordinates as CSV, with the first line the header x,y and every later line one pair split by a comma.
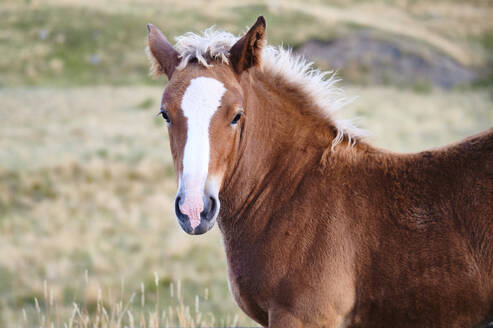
x,y
199,103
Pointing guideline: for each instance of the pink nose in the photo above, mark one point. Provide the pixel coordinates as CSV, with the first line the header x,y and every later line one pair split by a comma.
x,y
192,206
196,213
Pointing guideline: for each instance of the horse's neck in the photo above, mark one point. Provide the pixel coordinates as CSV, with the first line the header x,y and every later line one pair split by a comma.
x,y
280,147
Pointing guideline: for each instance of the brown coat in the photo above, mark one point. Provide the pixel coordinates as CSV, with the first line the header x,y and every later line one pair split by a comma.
x,y
344,236
358,235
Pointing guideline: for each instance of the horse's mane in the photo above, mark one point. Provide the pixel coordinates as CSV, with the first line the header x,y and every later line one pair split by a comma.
x,y
214,45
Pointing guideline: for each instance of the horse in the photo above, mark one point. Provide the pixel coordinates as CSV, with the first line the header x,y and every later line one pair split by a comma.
x,y
320,228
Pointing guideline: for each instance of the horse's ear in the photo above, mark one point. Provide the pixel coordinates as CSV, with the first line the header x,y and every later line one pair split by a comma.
x,y
163,57
246,52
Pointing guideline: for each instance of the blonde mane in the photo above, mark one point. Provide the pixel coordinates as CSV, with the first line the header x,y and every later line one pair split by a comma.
x,y
214,45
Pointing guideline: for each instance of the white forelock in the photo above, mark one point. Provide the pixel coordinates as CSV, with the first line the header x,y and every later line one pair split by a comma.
x,y
211,44
319,85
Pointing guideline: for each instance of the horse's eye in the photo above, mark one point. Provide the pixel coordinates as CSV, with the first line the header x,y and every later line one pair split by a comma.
x,y
163,113
236,119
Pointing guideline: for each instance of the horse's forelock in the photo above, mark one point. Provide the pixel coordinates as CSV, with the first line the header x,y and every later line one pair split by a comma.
x,y
211,45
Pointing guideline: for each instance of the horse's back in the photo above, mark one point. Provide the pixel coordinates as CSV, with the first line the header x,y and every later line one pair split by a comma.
x,y
467,198
461,176
435,220
475,203
468,166
471,164
476,150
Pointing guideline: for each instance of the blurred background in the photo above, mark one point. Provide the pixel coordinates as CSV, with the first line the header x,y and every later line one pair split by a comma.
x,y
87,232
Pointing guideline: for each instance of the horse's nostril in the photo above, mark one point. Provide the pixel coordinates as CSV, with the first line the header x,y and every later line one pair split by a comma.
x,y
183,219
178,212
210,209
213,206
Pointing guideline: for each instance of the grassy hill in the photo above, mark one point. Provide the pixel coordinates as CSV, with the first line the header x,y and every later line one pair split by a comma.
x,y
62,42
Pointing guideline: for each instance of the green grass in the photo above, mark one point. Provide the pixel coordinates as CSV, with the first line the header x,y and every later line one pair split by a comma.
x,y
486,81
62,45
84,46
75,46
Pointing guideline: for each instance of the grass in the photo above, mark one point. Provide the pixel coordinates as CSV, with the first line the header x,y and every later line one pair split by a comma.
x,y
73,45
87,183
78,194
109,219
486,40
62,43
142,309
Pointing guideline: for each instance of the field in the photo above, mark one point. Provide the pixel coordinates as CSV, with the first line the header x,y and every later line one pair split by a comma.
x,y
86,178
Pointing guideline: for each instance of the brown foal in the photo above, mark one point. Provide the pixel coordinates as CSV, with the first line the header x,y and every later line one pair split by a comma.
x,y
320,228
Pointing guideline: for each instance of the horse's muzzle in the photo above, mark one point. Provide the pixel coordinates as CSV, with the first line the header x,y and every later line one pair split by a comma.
x,y
207,216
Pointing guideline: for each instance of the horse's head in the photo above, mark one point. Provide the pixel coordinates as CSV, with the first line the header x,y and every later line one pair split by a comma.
x,y
203,105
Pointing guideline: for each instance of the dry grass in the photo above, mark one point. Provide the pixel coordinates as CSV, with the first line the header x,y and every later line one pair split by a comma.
x,y
111,311
410,121
87,184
